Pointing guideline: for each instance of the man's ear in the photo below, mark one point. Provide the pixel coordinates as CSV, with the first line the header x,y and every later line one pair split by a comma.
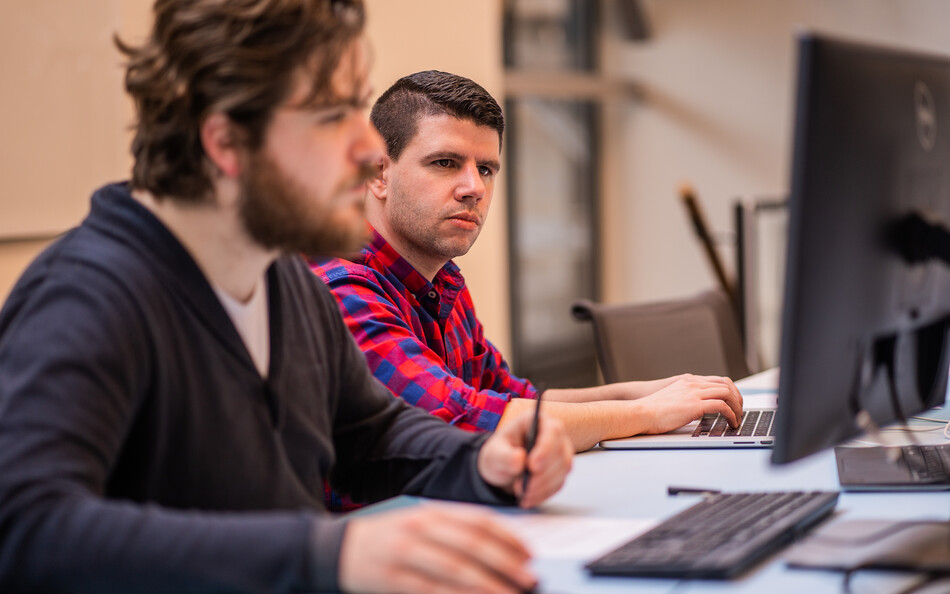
x,y
379,184
219,142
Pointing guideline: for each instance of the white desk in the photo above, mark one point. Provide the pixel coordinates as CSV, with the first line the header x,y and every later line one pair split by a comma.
x,y
632,484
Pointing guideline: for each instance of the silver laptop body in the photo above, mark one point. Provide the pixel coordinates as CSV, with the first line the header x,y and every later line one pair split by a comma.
x,y
708,432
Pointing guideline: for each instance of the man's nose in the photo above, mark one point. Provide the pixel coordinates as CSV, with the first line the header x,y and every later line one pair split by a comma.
x,y
471,183
368,146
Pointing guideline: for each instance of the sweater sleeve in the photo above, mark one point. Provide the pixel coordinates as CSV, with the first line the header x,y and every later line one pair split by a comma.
x,y
74,362
386,447
402,360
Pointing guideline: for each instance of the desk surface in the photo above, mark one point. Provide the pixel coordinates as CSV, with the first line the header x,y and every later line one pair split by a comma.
x,y
632,484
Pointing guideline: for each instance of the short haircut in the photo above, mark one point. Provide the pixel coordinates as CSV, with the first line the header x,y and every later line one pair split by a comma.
x,y
397,111
236,57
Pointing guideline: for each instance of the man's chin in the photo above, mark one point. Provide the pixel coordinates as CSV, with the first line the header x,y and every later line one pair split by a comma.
x,y
455,249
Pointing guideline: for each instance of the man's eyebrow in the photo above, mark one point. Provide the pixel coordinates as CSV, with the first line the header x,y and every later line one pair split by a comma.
x,y
493,164
437,155
356,101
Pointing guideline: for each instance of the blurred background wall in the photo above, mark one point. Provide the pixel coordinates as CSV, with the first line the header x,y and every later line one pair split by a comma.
x,y
714,108
717,81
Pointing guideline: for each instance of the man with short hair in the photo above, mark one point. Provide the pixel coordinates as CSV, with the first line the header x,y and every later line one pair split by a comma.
x,y
175,388
406,302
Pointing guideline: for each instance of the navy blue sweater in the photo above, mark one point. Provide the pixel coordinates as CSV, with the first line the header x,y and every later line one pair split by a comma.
x,y
140,450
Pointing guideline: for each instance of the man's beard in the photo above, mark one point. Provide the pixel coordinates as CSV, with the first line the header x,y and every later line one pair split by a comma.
x,y
278,214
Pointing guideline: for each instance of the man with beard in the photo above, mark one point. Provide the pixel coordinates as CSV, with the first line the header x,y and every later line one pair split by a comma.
x,y
406,301
174,389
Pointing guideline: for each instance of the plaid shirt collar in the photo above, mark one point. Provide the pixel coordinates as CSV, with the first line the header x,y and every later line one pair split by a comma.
x,y
437,297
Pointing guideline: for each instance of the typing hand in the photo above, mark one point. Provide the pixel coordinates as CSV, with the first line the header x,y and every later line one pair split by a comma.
x,y
688,397
502,459
433,547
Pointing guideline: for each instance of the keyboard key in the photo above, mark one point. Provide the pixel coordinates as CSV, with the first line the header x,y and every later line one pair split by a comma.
x,y
754,423
764,428
925,462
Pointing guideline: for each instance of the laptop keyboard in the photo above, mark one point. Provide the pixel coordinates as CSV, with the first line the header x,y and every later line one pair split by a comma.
x,y
754,423
719,537
927,463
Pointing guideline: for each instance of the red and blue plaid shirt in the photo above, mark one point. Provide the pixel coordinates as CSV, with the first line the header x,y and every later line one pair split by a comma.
x,y
423,339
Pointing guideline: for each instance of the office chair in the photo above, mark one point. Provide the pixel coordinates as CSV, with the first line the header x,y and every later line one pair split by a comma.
x,y
647,341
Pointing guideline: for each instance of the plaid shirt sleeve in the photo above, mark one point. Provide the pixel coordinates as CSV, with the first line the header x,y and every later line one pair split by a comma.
x,y
382,320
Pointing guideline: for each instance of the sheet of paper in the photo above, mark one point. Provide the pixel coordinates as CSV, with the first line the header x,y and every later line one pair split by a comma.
x,y
573,537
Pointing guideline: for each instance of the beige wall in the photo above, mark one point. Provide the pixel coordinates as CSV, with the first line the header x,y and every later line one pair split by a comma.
x,y
717,78
64,118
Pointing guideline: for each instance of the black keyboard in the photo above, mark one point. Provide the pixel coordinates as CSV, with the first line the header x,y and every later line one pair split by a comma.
x,y
719,537
927,464
754,423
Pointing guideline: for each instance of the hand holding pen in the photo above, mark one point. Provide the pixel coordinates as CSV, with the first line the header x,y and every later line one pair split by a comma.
x,y
529,441
528,455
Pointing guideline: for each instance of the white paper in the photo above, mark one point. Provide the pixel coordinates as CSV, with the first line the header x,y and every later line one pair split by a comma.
x,y
573,537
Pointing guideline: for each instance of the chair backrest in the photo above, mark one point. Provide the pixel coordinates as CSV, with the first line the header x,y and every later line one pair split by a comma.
x,y
647,341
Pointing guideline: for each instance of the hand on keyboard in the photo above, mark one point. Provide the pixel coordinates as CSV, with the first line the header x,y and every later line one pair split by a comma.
x,y
689,398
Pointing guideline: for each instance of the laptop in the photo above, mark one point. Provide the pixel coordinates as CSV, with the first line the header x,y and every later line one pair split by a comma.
x,y
711,431
896,468
758,396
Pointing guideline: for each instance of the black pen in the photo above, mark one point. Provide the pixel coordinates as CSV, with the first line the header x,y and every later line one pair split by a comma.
x,y
674,490
529,443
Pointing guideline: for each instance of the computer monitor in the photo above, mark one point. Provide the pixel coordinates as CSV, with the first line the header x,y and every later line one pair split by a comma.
x,y
867,293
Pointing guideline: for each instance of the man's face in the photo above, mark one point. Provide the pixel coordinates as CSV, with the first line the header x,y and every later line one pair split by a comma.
x,y
303,190
439,191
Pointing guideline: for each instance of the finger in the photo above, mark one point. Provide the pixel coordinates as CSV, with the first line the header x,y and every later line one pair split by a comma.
x,y
409,580
549,467
726,391
721,407
441,569
549,448
502,457
483,521
732,397
473,553
542,487
732,400
508,461
734,390
739,403
549,432
726,381
735,400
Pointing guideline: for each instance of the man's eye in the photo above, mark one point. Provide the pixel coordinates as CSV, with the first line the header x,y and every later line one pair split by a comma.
x,y
331,117
486,171
443,162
